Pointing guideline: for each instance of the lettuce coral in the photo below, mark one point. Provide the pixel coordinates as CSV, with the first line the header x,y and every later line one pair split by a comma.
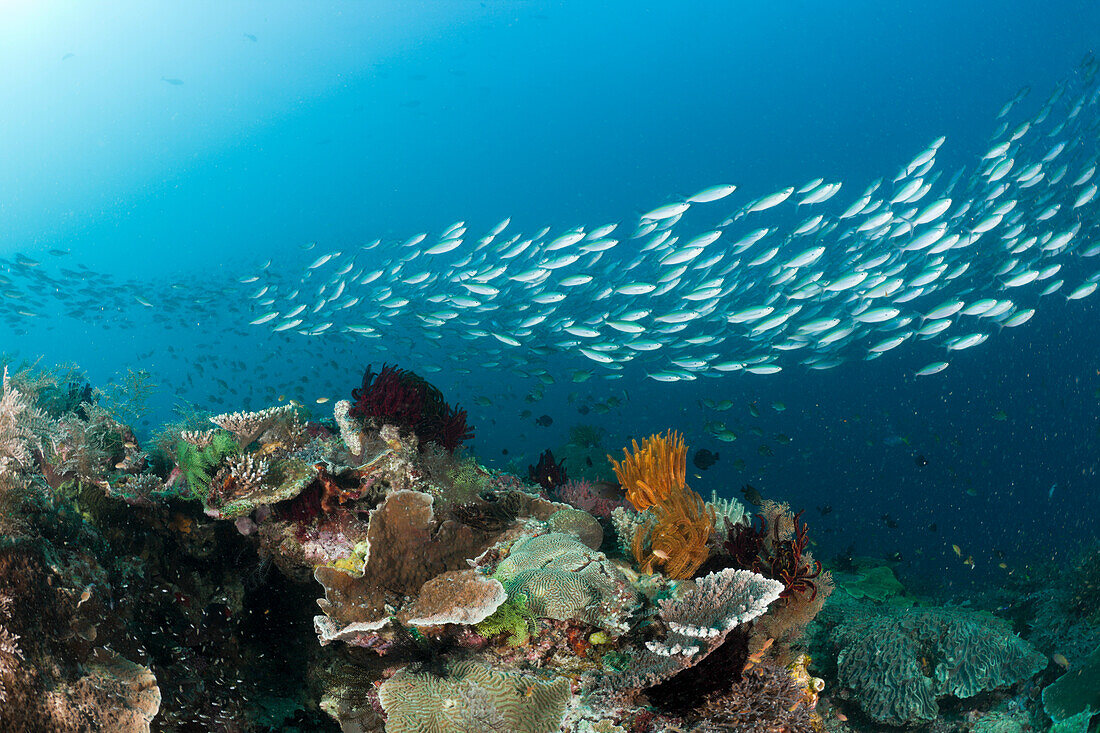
x,y
897,663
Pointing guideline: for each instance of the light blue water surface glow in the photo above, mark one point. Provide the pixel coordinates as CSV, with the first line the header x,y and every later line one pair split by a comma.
x,y
337,123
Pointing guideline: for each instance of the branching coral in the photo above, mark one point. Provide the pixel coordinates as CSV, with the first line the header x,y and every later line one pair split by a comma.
x,y
247,427
767,698
21,426
401,397
10,654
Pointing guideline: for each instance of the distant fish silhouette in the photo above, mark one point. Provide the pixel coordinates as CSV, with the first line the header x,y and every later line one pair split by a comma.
x,y
173,82
704,459
752,496
250,37
67,56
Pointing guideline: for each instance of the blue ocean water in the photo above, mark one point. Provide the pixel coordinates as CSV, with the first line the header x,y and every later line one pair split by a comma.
x,y
174,148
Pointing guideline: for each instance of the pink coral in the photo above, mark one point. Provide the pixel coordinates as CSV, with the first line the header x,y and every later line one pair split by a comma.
x,y
585,495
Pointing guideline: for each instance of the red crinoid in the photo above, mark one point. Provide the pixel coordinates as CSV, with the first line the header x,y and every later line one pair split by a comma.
x,y
403,398
788,565
745,543
784,560
547,473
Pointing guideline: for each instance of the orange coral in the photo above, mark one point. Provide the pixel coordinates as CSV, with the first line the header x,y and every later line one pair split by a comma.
x,y
657,469
676,539
654,477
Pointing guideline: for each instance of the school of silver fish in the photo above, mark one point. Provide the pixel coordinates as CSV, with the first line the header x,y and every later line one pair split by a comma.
x,y
684,293
695,287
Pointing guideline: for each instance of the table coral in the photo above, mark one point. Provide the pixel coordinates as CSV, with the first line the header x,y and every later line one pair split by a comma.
x,y
698,622
456,597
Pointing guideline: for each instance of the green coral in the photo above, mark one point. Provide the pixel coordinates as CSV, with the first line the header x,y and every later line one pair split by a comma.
x,y
467,481
512,616
557,594
1076,691
875,583
1074,724
564,579
197,464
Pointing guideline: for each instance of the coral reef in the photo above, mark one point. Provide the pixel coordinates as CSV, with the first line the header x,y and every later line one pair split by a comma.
x,y
898,662
774,545
142,588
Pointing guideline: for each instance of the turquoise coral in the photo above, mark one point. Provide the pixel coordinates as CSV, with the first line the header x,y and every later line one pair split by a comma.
x,y
1075,692
897,663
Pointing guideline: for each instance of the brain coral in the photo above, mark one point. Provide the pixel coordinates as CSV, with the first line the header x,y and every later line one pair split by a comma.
x,y
561,578
898,662
582,524
473,697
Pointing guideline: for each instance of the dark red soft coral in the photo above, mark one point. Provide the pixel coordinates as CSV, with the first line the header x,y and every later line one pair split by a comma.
x,y
392,395
548,473
752,547
403,398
